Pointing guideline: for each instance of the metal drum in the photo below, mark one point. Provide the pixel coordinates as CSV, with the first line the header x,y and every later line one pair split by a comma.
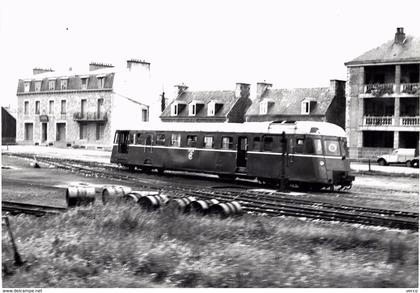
x,y
181,205
153,202
114,192
202,206
77,196
134,196
226,209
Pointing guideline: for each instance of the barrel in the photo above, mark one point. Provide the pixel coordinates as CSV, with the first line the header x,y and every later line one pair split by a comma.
x,y
135,195
114,192
77,195
226,209
182,204
202,206
153,202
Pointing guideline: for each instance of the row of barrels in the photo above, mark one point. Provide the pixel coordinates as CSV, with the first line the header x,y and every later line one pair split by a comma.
x,y
150,200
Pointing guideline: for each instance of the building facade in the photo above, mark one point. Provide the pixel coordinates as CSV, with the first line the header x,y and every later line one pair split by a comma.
x,y
382,98
313,104
208,106
82,108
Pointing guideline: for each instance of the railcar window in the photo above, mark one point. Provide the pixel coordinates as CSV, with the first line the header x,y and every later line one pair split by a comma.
x,y
331,147
116,137
268,143
299,145
343,147
256,144
176,139
160,139
192,140
309,146
317,146
138,138
208,142
130,138
149,139
227,142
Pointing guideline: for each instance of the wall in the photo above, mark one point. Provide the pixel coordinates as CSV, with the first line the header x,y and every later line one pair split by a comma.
x,y
8,128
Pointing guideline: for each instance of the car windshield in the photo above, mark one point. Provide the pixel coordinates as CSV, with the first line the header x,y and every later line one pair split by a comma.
x,y
331,147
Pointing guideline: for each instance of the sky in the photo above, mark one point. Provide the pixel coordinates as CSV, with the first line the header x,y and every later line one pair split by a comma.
x,y
205,44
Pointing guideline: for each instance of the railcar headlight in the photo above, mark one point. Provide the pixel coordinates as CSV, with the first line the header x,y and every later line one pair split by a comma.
x,y
321,163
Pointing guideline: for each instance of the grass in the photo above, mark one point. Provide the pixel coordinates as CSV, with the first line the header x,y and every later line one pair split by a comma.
x,y
122,246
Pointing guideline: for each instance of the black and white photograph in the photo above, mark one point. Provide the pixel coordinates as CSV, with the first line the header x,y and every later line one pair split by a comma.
x,y
210,144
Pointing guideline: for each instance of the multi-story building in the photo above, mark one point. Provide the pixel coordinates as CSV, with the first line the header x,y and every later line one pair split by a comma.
x,y
382,100
208,106
82,108
314,104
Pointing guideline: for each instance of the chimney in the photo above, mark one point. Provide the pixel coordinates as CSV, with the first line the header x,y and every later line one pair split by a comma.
x,y
182,88
95,66
242,90
41,70
399,36
261,88
133,64
337,87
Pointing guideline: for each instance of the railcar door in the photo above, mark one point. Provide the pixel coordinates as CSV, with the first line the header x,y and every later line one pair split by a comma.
x,y
148,143
122,141
242,155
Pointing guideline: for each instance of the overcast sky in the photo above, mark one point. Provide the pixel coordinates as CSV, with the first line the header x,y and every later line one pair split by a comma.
x,y
205,44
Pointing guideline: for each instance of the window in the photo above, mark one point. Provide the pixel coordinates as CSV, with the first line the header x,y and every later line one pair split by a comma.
x,y
83,131
191,140
192,109
27,86
263,107
317,146
174,109
211,108
37,107
144,115
208,142
51,107
160,139
63,107
332,147
63,84
100,131
29,131
130,138
138,138
37,86
227,142
299,145
268,143
176,139
256,144
101,82
26,108
51,85
85,81
305,107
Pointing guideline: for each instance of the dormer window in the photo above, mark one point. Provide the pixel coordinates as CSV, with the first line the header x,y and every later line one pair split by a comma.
x,y
264,106
174,110
51,85
85,81
213,107
27,86
192,109
307,106
101,81
37,86
63,84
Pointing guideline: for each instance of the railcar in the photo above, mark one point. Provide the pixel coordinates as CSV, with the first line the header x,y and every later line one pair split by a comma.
x,y
304,153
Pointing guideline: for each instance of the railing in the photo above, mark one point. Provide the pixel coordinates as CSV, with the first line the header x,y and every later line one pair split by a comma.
x,y
379,89
90,116
410,121
378,121
410,88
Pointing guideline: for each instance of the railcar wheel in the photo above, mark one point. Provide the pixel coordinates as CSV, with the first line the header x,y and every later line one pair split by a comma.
x,y
160,171
146,169
382,162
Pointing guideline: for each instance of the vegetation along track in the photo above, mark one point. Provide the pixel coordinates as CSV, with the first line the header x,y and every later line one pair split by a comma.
x,y
14,207
265,202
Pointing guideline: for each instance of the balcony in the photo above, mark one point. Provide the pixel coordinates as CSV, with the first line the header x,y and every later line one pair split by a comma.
x,y
410,121
90,117
410,88
379,89
378,121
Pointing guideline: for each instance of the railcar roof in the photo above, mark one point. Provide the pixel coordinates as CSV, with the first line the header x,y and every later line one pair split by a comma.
x,y
298,127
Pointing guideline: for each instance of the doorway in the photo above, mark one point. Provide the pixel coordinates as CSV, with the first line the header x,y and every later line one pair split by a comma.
x,y
241,157
44,134
61,132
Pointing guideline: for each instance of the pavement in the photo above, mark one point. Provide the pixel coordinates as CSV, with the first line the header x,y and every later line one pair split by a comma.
x,y
102,156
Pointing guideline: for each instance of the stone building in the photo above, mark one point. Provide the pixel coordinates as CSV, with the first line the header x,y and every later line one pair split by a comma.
x,y
208,106
82,108
382,98
314,104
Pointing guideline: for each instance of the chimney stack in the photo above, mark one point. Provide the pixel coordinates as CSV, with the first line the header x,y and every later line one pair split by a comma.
x,y
137,64
41,70
337,87
261,88
182,88
399,36
95,66
242,90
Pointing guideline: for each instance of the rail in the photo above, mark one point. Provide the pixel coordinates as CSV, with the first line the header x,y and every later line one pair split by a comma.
x,y
410,88
378,89
14,207
410,121
378,120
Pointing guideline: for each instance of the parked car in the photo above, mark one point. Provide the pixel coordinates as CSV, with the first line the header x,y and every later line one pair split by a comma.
x,y
409,157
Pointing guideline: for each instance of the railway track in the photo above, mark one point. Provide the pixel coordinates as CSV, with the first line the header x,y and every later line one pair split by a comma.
x,y
261,202
14,208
